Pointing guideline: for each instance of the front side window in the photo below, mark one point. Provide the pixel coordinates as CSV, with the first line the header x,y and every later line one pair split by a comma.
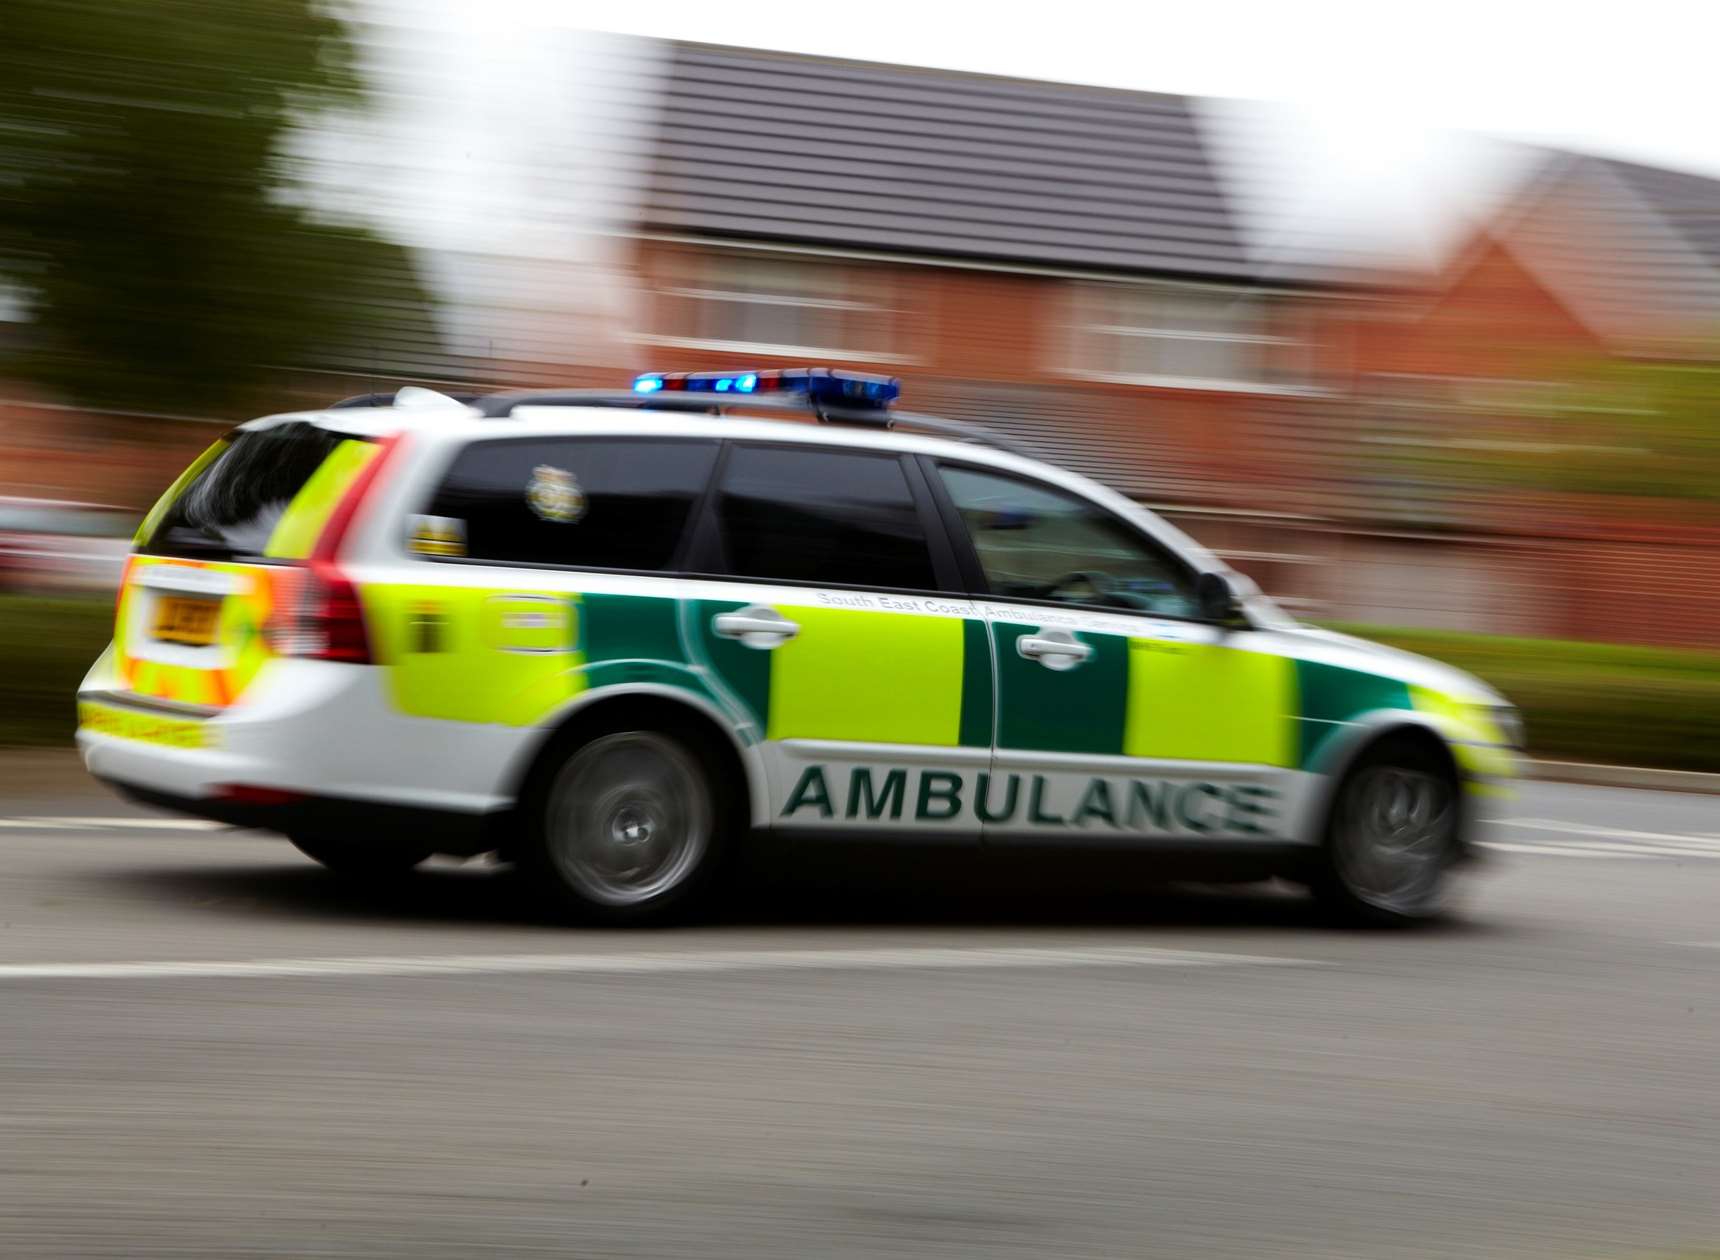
x,y
795,514
600,503
1041,543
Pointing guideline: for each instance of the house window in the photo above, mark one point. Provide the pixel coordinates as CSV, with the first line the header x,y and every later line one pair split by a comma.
x,y
775,304
1196,337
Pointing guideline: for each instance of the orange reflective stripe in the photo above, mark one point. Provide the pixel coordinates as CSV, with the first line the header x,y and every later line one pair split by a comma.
x,y
243,647
201,687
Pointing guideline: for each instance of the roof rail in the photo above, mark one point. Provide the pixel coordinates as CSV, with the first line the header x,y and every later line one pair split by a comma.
x,y
500,406
387,399
363,400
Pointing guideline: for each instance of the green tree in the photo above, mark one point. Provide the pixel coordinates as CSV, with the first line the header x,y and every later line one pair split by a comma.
x,y
151,215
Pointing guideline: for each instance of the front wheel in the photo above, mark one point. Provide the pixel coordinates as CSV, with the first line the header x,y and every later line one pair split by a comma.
x,y
626,828
1392,838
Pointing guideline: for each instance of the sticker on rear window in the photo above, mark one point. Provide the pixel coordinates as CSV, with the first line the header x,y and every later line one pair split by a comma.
x,y
436,536
555,495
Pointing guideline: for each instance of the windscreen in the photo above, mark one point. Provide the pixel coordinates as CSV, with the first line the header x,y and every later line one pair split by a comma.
x,y
237,506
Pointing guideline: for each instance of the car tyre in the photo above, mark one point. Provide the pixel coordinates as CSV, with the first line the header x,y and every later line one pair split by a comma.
x,y
624,827
1392,838
359,859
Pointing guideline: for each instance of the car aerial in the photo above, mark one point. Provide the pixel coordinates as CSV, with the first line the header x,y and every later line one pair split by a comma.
x,y
612,635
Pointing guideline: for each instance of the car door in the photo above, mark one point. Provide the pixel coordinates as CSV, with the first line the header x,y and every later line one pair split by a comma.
x,y
1121,716
828,615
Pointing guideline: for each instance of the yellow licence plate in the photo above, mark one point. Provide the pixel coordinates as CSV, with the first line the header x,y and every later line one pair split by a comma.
x,y
187,621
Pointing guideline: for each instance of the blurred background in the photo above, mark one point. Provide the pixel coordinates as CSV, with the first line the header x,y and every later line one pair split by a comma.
x,y
1412,312
1429,346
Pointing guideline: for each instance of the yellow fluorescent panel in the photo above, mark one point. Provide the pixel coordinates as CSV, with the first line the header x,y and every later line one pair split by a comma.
x,y
1206,702
870,677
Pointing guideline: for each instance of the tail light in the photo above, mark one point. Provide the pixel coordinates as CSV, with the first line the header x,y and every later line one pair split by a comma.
x,y
323,619
334,617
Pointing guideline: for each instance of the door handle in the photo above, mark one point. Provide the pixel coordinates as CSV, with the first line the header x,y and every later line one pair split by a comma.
x,y
755,627
1054,649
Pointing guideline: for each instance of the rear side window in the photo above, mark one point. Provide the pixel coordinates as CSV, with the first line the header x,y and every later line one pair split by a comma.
x,y
232,507
599,503
805,515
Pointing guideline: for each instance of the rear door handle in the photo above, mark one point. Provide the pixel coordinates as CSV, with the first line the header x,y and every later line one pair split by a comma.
x,y
1054,649
755,627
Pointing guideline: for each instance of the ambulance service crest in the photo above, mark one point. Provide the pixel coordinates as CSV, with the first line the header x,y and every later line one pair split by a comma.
x,y
554,495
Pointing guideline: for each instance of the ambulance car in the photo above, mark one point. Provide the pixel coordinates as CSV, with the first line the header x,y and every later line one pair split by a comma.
x,y
613,636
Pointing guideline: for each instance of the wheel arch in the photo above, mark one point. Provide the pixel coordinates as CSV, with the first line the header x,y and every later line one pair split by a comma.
x,y
655,706
1357,737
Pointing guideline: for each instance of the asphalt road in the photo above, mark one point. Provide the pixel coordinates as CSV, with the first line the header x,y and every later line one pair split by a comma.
x,y
209,1047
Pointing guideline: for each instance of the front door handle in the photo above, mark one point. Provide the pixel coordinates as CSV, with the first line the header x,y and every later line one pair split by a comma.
x,y
755,627
1054,649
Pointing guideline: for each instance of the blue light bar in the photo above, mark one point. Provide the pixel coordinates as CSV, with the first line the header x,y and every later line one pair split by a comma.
x,y
857,390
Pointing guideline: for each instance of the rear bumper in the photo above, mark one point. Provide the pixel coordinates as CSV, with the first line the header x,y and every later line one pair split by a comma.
x,y
444,831
316,729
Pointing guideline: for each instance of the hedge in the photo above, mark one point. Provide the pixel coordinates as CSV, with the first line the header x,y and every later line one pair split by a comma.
x,y
47,644
1605,702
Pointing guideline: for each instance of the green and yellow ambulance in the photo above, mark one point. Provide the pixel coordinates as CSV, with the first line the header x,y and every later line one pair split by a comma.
x,y
611,636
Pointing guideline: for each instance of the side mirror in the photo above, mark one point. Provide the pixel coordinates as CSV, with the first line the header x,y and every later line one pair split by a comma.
x,y
1218,599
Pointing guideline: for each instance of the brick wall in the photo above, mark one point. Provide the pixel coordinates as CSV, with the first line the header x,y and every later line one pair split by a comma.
x,y
950,332
1660,593
1488,317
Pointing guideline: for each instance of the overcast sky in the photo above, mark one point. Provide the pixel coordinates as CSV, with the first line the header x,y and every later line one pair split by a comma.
x,y
1372,134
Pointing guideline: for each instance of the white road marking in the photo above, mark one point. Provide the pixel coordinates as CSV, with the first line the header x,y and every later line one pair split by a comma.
x,y
730,960
1657,850
1558,850
88,824
1600,848
1574,839
1696,840
191,824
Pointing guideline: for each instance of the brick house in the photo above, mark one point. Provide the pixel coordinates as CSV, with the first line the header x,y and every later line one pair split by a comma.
x,y
1058,262
1592,256
1591,259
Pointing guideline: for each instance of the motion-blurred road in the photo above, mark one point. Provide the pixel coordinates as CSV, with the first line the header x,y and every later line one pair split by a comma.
x,y
882,1069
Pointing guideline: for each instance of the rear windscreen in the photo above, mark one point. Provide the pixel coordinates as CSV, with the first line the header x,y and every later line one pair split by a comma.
x,y
233,507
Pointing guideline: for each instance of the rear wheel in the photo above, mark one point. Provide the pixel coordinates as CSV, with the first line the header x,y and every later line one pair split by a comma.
x,y
1392,837
358,859
625,828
